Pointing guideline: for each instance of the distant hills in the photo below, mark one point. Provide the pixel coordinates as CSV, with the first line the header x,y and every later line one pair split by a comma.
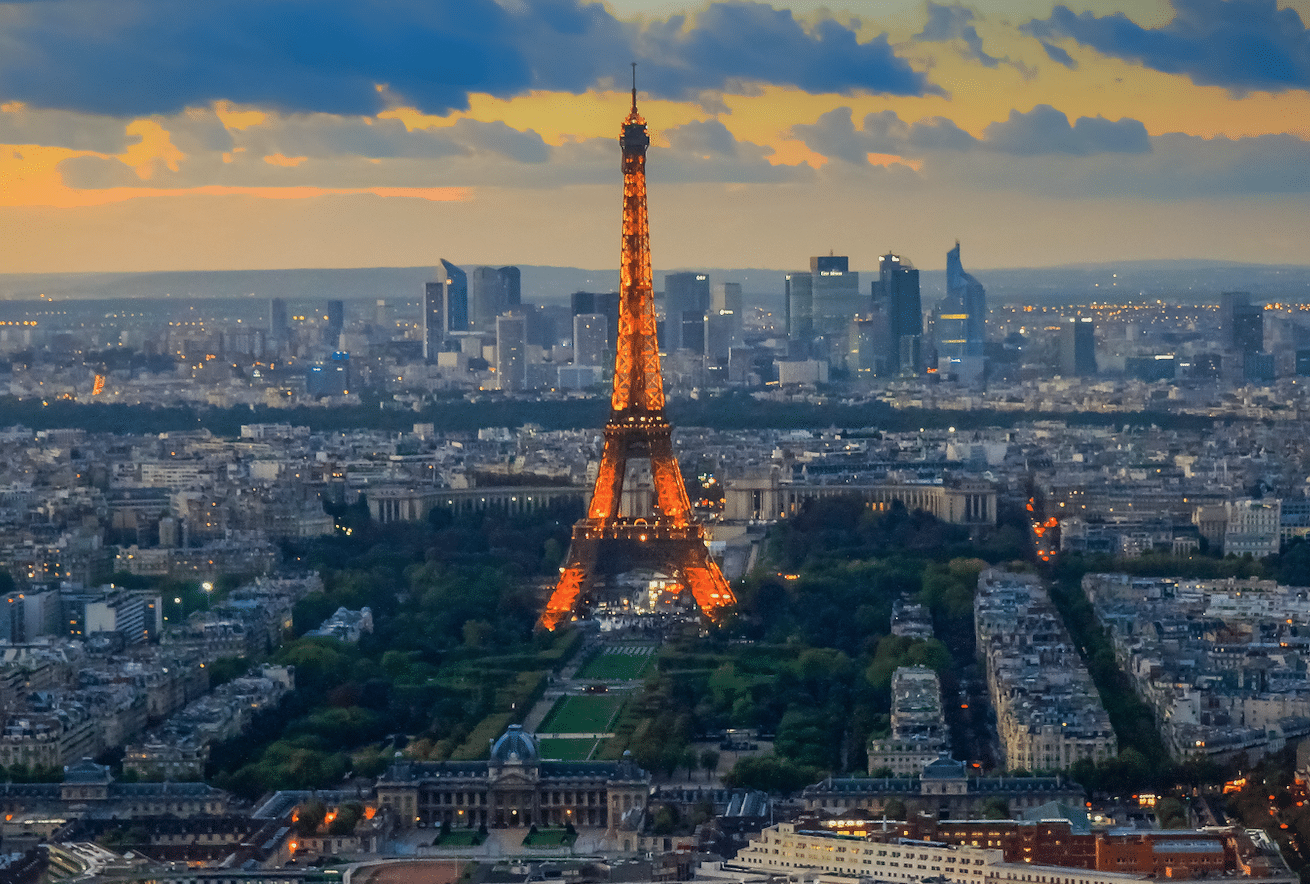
x,y
1174,281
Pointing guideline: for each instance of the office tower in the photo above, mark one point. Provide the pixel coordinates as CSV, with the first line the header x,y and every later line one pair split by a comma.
x,y
835,294
590,338
896,293
869,345
331,378
277,321
599,302
434,319
492,291
723,323
613,538
455,312
381,316
686,300
336,320
799,293
512,351
964,290
726,296
548,324
1249,328
1077,347
1228,304
512,282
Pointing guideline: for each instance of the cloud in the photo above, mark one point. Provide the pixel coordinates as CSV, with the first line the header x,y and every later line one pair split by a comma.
x,y
1241,45
1045,130
325,151
144,57
20,124
947,23
1059,55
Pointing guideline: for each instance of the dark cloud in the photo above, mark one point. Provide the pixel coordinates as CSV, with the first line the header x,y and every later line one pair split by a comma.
x,y
703,137
1238,44
143,57
1059,55
54,128
1045,130
954,22
833,135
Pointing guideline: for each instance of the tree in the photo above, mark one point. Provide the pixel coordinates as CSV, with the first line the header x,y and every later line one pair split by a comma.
x,y
709,762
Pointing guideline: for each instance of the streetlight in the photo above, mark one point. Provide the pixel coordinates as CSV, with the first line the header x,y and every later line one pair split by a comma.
x,y
208,588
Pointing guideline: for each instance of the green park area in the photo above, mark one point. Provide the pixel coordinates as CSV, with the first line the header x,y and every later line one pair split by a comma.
x,y
625,662
582,715
565,749
549,838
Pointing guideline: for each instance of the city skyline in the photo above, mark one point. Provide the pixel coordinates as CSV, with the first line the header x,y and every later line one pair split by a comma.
x,y
249,135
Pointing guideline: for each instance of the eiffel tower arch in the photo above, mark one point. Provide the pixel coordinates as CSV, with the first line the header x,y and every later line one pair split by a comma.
x,y
612,539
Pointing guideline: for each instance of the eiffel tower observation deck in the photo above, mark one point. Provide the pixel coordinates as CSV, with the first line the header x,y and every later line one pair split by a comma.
x,y
612,539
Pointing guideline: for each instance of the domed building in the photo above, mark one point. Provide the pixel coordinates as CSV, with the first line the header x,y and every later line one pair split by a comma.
x,y
515,786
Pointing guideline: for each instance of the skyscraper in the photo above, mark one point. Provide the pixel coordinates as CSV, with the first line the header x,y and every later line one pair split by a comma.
x,y
686,300
512,351
335,321
960,323
896,293
455,315
590,338
434,318
277,321
799,293
1078,347
967,292
835,294
492,291
599,302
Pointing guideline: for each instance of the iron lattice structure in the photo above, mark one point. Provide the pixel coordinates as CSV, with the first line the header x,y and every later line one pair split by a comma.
x,y
668,540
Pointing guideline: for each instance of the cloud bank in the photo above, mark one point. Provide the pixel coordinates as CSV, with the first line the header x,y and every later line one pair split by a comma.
x,y
1242,45
129,58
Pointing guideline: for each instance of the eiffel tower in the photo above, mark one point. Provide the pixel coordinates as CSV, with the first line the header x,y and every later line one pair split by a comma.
x,y
610,540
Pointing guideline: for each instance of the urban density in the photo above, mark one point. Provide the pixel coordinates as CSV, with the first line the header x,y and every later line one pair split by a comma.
x,y
882,567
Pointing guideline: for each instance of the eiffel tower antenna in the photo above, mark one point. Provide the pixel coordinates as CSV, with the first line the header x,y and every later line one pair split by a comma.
x,y
614,538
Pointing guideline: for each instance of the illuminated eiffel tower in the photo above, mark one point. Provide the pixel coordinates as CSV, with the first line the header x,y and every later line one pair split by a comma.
x,y
608,542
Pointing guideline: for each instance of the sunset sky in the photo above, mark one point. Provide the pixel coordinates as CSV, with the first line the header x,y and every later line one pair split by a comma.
x,y
161,134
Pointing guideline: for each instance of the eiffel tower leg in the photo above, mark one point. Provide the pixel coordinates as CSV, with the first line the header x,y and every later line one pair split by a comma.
x,y
574,584
708,587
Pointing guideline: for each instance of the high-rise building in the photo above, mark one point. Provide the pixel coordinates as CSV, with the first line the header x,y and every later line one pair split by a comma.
x,y
434,319
277,321
590,338
599,302
455,315
336,321
835,294
1077,347
330,378
799,295
966,291
512,351
896,293
686,301
723,322
492,291
960,322
869,346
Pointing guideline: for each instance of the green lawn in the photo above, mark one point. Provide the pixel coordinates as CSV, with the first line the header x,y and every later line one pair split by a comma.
x,y
460,838
581,715
567,750
620,663
549,838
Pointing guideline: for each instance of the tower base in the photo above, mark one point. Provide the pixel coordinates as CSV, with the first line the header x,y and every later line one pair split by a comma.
x,y
604,548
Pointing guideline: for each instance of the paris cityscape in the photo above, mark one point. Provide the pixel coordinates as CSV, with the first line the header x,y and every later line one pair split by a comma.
x,y
921,497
